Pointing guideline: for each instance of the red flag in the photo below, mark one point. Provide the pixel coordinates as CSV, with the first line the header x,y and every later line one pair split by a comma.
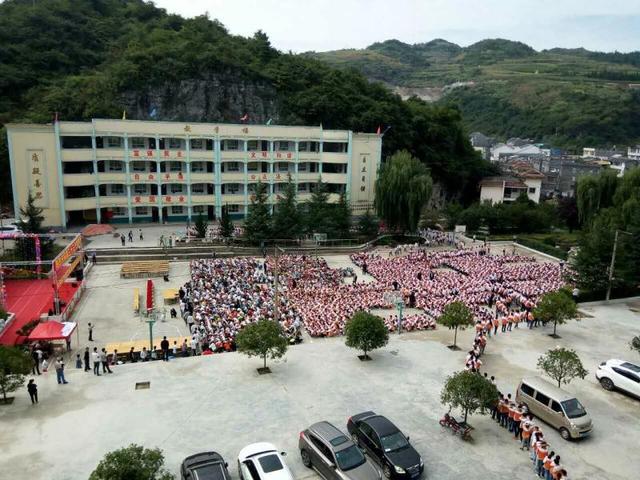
x,y
378,131
245,117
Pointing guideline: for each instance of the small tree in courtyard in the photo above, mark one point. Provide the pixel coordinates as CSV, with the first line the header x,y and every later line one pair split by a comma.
x,y
635,344
15,363
556,307
561,364
201,226
262,339
132,463
470,392
368,225
366,332
456,315
257,224
226,225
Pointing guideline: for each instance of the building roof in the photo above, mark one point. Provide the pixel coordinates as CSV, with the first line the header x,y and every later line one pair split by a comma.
x,y
505,180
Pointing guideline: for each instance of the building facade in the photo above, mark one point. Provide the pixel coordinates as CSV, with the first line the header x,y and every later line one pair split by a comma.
x,y
129,171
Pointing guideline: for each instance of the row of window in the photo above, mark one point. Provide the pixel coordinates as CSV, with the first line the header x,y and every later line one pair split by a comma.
x,y
173,210
232,145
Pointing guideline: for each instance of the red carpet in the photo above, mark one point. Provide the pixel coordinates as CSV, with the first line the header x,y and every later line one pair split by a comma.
x,y
28,299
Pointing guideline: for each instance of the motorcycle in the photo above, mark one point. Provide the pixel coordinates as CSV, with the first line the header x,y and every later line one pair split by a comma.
x,y
457,428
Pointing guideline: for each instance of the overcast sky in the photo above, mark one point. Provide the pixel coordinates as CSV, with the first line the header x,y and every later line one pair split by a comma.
x,y
302,25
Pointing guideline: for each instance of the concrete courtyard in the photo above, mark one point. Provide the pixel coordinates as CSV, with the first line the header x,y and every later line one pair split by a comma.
x,y
220,403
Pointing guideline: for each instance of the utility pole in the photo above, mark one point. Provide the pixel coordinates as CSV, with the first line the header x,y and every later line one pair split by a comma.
x,y
613,262
151,321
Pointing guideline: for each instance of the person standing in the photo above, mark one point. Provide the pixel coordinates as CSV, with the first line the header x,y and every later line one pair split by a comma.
x,y
164,345
103,361
95,356
68,342
36,354
32,388
86,360
59,364
122,240
90,327
130,236
140,232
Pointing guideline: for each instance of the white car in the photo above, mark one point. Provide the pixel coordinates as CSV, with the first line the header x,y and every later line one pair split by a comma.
x,y
262,461
619,374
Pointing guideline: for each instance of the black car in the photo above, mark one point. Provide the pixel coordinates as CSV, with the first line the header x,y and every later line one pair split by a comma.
x,y
204,466
385,444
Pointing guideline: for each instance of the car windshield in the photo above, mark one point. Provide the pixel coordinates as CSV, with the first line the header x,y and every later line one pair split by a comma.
x,y
349,458
631,366
212,471
573,408
395,441
270,463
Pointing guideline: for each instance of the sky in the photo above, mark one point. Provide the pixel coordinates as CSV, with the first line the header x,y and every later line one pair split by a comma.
x,y
320,25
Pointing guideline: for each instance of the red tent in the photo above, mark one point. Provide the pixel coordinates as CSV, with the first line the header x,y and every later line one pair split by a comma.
x,y
52,330
149,294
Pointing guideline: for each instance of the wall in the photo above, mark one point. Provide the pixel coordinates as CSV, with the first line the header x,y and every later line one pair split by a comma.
x,y
365,163
491,194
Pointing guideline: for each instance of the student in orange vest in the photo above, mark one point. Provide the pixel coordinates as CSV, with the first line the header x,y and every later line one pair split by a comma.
x,y
496,322
554,471
541,453
546,465
502,411
536,437
505,321
517,418
512,411
526,434
510,319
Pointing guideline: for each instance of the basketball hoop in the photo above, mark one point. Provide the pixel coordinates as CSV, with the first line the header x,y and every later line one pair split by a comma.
x,y
394,298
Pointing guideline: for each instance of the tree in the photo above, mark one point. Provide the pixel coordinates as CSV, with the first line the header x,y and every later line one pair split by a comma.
x,y
561,364
592,261
31,216
226,225
368,225
402,189
132,463
201,226
366,332
456,315
15,363
262,339
635,344
556,307
257,225
470,392
317,208
340,217
286,219
568,211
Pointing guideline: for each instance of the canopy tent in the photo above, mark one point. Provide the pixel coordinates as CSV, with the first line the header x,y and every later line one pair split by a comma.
x,y
52,330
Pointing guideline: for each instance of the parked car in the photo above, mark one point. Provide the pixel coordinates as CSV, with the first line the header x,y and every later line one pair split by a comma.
x,y
204,466
333,455
385,444
11,229
558,408
262,461
619,374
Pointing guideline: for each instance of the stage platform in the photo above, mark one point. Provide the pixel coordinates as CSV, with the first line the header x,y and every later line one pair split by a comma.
x,y
28,299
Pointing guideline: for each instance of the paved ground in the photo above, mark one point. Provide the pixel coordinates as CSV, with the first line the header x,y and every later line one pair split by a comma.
x,y
221,403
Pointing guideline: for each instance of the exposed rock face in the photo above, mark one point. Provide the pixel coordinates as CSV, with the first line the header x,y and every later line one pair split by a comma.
x,y
217,97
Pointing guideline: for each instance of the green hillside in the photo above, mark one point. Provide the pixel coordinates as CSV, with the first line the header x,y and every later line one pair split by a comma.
x,y
95,59
570,97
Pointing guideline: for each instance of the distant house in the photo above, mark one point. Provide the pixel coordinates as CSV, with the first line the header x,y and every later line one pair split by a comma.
x,y
504,151
481,143
634,152
520,178
602,153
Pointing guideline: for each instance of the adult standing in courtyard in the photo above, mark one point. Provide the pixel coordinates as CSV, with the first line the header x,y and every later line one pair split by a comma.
x,y
59,365
36,354
86,359
104,362
90,327
164,345
32,388
141,236
95,356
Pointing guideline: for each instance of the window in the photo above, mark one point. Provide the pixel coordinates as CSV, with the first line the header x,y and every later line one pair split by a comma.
x,y
116,189
175,166
302,167
543,399
322,447
197,144
526,389
393,442
631,366
177,210
231,145
198,209
283,167
232,167
137,142
142,211
140,189
303,187
175,188
139,166
231,188
284,145
113,142
250,469
349,458
198,167
334,168
174,143
114,166
270,463
197,188
308,146
258,145
629,375
234,208
573,408
76,142
532,190
119,211
555,406
334,147
366,429
253,167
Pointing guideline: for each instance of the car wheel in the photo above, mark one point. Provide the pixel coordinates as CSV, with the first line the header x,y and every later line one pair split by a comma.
x,y
355,439
306,459
387,471
606,383
564,433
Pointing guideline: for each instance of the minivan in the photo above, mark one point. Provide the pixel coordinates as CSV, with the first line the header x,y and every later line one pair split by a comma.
x,y
554,406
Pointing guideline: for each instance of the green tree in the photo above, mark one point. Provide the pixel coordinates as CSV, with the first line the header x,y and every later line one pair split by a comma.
x,y
635,344
317,209
591,262
201,226
226,225
31,216
340,217
561,364
263,339
456,315
568,211
132,463
257,225
556,307
366,332
286,218
403,188
470,392
15,363
368,225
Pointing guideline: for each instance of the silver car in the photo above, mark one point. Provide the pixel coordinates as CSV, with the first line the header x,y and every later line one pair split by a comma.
x,y
333,454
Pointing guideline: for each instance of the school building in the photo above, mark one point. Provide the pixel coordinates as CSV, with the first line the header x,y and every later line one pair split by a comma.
x,y
129,171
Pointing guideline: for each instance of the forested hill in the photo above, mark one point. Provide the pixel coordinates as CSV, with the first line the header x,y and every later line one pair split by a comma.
x,y
570,97
95,58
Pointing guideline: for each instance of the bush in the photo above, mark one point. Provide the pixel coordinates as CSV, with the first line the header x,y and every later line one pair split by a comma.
x,y
15,363
132,463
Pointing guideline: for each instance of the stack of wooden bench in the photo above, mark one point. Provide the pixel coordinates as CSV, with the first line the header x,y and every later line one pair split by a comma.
x,y
144,269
